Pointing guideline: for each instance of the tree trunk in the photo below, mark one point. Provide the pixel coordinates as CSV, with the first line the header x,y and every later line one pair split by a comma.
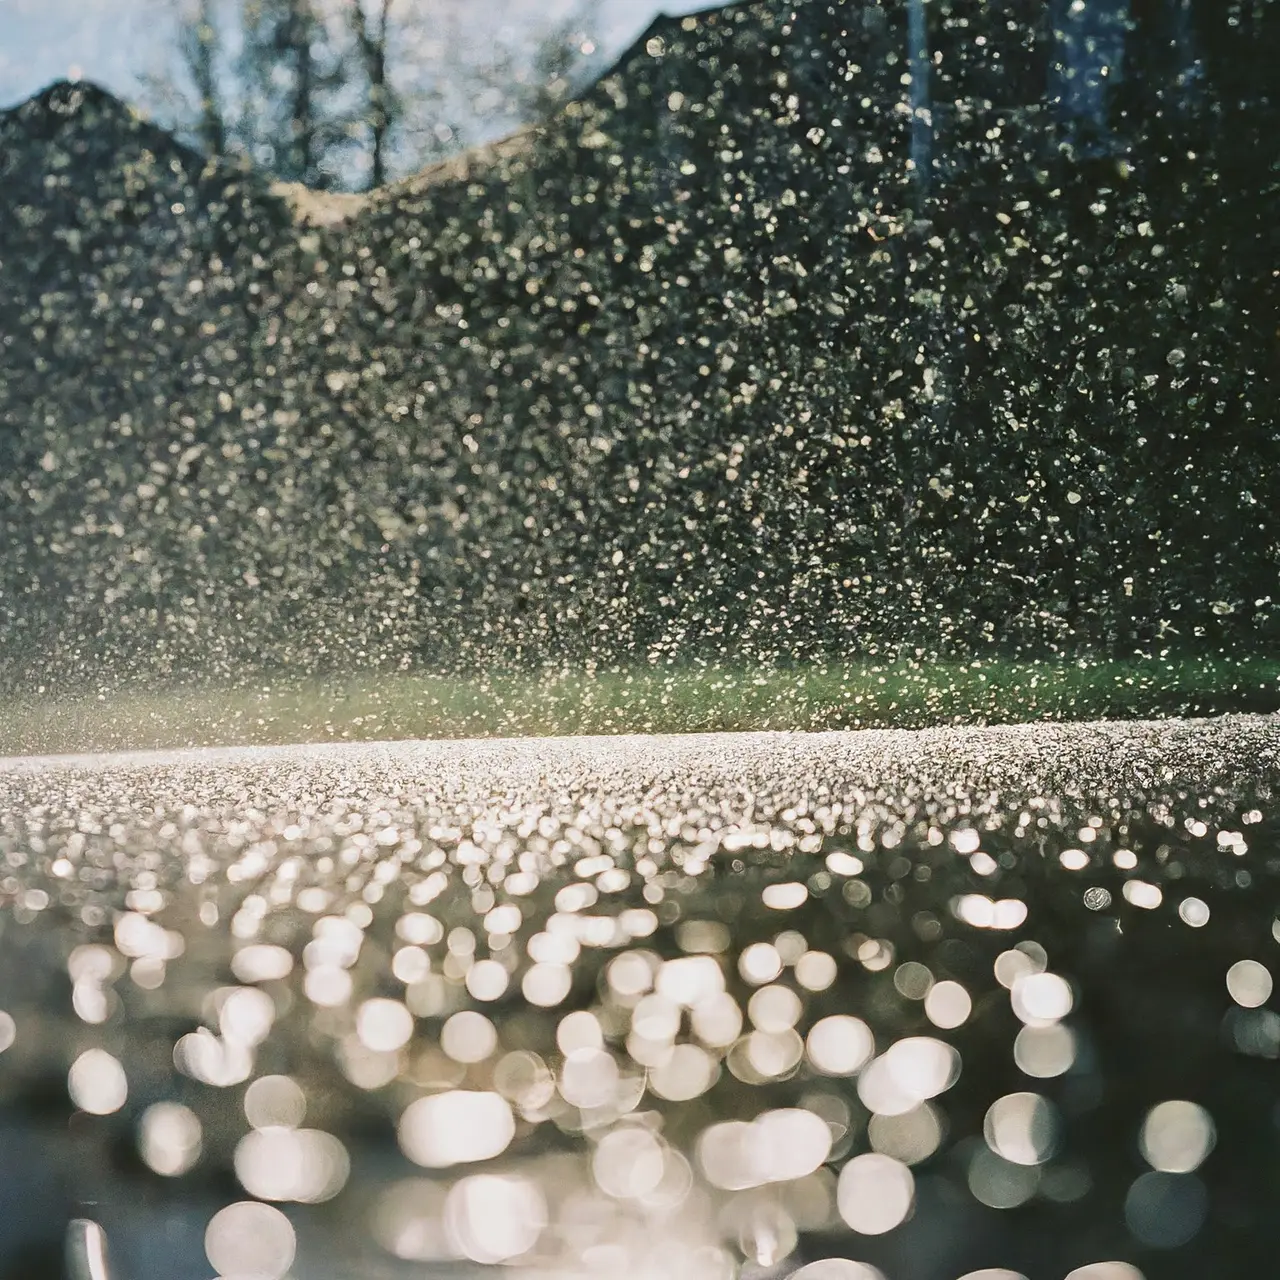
x,y
200,53
298,38
372,40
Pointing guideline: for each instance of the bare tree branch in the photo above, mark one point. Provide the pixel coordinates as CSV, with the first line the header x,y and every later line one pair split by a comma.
x,y
371,41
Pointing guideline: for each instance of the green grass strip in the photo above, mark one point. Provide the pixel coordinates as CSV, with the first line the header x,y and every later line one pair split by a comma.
x,y
642,700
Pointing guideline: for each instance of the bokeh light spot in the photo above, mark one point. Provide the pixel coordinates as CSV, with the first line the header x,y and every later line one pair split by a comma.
x,y
1166,1210
169,1138
456,1127
493,1218
97,1083
1022,1128
1176,1136
1249,983
250,1241
874,1193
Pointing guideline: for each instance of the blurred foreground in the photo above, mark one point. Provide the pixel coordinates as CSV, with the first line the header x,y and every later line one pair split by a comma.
x,y
706,1006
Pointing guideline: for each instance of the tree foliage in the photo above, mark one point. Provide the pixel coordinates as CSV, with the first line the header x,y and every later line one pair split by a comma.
x,y
691,374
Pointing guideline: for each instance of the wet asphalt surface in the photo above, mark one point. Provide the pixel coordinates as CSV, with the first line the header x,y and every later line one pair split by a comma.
x,y
730,1003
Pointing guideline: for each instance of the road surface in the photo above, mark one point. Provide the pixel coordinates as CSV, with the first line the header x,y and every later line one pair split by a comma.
x,y
692,1006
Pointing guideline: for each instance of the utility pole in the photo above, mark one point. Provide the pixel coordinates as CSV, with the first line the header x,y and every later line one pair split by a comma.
x,y
921,115
924,305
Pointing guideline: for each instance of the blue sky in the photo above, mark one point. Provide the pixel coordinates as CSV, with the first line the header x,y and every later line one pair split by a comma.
x,y
111,40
